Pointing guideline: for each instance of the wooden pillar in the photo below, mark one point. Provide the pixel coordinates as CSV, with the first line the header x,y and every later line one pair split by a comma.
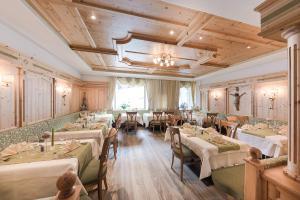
x,y
293,37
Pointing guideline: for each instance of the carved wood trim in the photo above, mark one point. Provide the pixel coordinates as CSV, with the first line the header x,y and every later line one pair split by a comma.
x,y
93,50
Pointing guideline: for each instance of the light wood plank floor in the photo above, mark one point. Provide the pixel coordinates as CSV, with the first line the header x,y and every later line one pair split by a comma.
x,y
142,171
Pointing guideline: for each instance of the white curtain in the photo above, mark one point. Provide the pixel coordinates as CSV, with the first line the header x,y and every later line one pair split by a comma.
x,y
111,93
162,94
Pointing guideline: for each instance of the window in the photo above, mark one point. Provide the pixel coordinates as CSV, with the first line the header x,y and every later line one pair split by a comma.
x,y
130,97
185,98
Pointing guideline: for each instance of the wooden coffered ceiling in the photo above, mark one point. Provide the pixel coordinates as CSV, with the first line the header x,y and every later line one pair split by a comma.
x,y
127,34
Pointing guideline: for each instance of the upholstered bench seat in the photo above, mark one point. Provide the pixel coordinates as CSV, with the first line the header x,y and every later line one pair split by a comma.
x,y
230,180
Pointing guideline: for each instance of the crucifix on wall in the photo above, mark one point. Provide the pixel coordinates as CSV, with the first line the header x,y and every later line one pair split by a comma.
x,y
237,98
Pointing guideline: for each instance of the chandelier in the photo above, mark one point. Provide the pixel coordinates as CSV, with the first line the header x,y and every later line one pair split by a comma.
x,y
163,60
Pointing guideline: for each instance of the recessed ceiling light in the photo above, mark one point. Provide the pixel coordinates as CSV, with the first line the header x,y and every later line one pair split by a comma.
x,y
200,38
171,32
248,47
93,17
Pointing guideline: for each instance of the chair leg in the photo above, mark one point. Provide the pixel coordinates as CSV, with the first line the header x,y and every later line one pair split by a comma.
x,y
105,182
100,190
172,160
181,170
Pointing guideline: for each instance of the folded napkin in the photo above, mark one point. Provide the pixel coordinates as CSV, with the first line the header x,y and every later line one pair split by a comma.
x,y
15,148
72,145
283,130
261,126
211,130
218,139
97,125
247,127
187,125
188,131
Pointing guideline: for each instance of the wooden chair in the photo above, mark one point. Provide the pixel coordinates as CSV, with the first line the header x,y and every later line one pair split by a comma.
x,y
189,117
131,121
96,170
156,121
229,127
210,120
179,150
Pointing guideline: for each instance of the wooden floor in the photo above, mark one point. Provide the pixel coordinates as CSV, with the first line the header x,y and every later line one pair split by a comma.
x,y
142,171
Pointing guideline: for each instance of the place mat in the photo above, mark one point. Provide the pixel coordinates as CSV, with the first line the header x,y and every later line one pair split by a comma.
x,y
261,132
222,147
82,153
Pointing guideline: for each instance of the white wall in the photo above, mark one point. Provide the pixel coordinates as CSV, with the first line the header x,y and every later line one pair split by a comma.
x,y
272,63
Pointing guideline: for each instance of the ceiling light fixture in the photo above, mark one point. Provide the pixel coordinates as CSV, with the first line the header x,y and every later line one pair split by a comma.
x,y
93,17
200,38
248,47
171,32
164,60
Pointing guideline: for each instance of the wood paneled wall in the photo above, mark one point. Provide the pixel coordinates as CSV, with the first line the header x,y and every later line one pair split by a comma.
x,y
33,92
96,95
256,101
217,100
8,95
37,97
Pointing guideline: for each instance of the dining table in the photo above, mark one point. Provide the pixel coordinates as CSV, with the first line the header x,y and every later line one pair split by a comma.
x,y
212,155
267,140
104,117
32,174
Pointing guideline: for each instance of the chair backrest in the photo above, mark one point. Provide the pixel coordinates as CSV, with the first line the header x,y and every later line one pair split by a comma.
x,y
176,145
104,153
157,116
230,128
189,115
131,116
113,134
169,112
232,118
118,122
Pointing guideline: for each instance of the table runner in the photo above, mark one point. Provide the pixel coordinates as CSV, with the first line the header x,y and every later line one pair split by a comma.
x,y
223,146
261,132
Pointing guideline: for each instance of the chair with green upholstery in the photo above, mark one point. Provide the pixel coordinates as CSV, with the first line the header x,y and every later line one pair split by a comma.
x,y
179,150
230,180
96,170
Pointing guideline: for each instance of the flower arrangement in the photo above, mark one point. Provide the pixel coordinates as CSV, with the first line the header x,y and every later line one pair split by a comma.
x,y
124,106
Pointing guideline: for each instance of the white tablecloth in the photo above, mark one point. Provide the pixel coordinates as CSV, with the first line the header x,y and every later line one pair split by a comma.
x,y
36,179
80,135
138,118
198,117
209,155
273,146
109,118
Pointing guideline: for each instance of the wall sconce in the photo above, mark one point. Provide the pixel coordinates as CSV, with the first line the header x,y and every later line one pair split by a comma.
x,y
6,80
271,94
215,96
64,91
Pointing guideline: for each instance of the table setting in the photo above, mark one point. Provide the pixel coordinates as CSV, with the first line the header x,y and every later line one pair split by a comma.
x,y
214,150
31,170
271,140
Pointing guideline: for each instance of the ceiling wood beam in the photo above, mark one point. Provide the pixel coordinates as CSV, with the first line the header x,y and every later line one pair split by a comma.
x,y
88,35
93,50
212,64
129,71
151,38
198,23
239,39
100,7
